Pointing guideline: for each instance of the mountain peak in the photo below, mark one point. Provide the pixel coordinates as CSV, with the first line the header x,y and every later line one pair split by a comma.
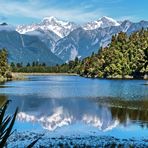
x,y
51,23
102,22
49,19
54,21
105,18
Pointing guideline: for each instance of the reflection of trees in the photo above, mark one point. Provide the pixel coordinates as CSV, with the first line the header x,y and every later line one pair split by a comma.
x,y
135,110
2,100
133,114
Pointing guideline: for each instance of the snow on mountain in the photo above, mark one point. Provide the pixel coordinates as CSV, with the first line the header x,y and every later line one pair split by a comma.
x,y
82,42
126,25
67,40
59,27
23,29
26,48
102,22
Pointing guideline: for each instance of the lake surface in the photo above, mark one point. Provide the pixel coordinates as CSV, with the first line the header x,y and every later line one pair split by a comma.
x,y
75,105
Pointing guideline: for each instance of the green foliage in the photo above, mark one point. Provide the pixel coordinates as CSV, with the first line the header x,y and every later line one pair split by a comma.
x,y
6,125
4,67
37,67
125,57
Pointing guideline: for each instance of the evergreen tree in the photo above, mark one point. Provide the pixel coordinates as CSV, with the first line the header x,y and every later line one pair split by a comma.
x,y
126,56
4,67
28,65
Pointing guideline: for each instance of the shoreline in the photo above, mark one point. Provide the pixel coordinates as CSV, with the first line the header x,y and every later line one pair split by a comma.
x,y
43,74
21,76
115,78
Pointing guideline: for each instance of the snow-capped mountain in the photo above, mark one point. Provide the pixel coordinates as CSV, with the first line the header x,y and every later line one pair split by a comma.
x,y
23,48
61,39
59,27
102,22
81,42
48,37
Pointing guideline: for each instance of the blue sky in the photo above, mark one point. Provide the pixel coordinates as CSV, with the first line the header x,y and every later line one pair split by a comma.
x,y
80,11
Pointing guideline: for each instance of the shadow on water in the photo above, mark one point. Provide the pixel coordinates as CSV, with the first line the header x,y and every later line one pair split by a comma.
x,y
3,99
135,115
123,110
4,86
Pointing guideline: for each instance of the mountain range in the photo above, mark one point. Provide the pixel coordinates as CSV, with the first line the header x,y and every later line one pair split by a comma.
x,y
55,41
24,48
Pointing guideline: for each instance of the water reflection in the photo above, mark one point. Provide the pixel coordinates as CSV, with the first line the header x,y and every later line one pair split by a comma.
x,y
55,102
3,99
70,111
54,113
135,110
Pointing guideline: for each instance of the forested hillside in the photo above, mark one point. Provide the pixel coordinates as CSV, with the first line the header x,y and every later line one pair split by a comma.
x,y
125,57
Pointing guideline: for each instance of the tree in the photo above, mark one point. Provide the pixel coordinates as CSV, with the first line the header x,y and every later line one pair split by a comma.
x,y
33,64
18,65
43,64
28,65
12,65
125,56
4,67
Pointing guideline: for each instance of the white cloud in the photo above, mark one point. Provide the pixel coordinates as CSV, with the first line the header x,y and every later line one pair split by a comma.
x,y
34,9
130,17
107,1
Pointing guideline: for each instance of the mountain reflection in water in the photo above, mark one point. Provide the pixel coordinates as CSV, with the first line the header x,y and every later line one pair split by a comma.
x,y
56,102
104,115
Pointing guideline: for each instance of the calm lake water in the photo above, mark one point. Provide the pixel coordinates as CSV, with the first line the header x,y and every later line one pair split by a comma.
x,y
76,105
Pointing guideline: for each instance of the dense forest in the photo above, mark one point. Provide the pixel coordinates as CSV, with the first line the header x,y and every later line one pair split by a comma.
x,y
125,57
5,73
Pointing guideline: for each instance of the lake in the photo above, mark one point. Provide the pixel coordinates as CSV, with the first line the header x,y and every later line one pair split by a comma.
x,y
73,105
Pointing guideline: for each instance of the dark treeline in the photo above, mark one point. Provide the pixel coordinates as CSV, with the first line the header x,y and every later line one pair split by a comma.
x,y
36,67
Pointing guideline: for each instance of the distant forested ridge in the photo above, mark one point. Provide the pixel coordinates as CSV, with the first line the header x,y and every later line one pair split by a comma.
x,y
36,67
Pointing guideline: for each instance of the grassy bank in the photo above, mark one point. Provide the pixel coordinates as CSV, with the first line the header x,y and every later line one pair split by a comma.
x,y
22,76
18,76
42,74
